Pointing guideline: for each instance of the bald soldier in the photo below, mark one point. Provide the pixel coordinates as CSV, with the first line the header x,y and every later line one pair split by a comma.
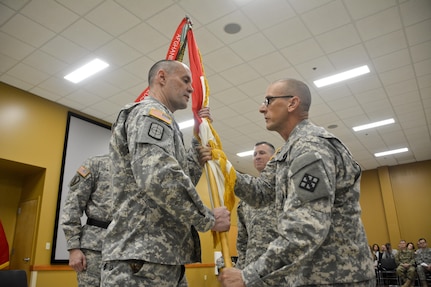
x,y
321,239
158,212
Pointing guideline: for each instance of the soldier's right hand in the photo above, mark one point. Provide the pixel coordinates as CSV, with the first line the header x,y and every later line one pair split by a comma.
x,y
77,260
222,219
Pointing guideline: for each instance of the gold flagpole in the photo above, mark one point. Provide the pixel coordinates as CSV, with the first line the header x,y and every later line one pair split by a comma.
x,y
221,236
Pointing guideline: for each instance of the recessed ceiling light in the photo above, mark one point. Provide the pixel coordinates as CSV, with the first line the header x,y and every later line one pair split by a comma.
x,y
232,28
374,125
342,76
86,71
245,153
394,151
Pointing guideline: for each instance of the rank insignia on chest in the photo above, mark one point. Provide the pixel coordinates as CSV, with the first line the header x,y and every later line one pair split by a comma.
x,y
161,115
156,131
309,182
83,171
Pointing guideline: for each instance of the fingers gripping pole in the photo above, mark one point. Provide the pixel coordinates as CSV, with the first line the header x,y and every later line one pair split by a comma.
x,y
222,236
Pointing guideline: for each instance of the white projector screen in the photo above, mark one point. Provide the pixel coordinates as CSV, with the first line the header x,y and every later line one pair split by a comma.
x,y
84,138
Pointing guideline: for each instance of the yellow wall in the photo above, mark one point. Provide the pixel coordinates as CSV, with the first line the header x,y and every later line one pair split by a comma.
x,y
395,200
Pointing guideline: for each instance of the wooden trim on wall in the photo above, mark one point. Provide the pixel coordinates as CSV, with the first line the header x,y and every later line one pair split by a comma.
x,y
68,268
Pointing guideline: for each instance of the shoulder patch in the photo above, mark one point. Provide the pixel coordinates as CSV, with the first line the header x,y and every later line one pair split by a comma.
x,y
309,182
83,171
156,131
161,115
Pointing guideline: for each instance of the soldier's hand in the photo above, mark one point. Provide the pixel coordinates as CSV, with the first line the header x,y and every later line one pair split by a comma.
x,y
205,113
77,260
231,277
222,219
204,154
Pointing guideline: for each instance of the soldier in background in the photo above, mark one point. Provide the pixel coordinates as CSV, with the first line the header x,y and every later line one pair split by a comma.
x,y
405,259
423,261
158,211
257,227
90,193
321,240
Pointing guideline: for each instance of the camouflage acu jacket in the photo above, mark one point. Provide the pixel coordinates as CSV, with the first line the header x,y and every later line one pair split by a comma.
x,y
321,236
158,210
90,193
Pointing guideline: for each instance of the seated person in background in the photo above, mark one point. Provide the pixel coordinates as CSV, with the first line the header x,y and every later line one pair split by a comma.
x,y
387,258
405,260
375,254
423,261
411,246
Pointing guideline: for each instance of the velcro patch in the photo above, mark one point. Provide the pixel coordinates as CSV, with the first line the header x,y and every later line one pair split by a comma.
x,y
161,115
309,182
156,131
75,180
83,171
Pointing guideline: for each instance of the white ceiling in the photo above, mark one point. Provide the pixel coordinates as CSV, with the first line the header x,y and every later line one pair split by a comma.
x,y
43,40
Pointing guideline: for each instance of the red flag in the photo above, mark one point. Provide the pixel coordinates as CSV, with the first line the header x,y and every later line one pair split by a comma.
x,y
4,249
176,48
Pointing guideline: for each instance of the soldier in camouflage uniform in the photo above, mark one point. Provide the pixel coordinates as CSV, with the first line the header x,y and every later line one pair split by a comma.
x,y
405,259
89,192
322,241
158,210
423,261
257,227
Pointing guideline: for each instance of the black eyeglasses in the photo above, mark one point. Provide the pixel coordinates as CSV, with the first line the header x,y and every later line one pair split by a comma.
x,y
268,99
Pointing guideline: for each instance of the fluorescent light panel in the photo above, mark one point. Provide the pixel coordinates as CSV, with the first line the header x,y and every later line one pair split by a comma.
x,y
86,71
186,124
374,125
394,151
245,153
342,76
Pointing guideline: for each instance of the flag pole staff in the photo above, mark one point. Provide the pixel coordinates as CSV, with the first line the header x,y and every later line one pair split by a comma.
x,y
221,236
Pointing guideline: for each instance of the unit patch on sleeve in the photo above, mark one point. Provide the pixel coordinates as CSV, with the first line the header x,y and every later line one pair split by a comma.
x,y
309,182
156,131
83,171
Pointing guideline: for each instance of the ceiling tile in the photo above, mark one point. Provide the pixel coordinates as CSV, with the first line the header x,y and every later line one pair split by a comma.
x,y
302,51
338,38
287,33
416,11
93,38
27,30
13,48
379,24
119,53
386,44
102,17
64,50
50,14
265,15
80,7
241,47
365,8
318,22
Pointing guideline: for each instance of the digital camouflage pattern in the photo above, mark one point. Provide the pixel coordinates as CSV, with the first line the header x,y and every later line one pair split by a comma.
x,y
257,227
158,210
91,275
89,192
423,255
142,274
321,239
406,256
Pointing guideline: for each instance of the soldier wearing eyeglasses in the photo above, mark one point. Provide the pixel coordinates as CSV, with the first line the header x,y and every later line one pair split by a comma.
x,y
321,240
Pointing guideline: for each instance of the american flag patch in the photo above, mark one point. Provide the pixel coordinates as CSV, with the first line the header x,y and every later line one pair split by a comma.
x,y
161,115
83,171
